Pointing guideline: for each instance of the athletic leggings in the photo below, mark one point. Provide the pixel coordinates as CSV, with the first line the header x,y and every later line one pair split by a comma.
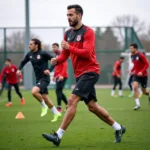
x,y
116,82
59,92
130,82
16,89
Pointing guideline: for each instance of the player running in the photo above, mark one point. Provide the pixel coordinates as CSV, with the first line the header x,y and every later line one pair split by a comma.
x,y
117,76
79,44
39,60
60,76
139,70
9,71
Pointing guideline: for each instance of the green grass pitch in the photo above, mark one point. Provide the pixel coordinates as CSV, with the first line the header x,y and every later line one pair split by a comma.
x,y
86,132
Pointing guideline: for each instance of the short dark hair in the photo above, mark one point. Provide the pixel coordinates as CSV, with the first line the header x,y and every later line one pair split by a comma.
x,y
121,57
77,7
37,42
56,44
134,45
8,59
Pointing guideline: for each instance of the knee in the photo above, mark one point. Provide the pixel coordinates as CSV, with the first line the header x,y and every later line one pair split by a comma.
x,y
71,103
135,87
91,109
34,92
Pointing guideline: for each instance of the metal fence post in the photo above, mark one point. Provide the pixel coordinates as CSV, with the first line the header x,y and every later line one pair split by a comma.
x,y
5,44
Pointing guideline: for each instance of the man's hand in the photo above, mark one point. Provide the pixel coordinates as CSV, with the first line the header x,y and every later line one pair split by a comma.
x,y
139,74
47,72
65,45
20,80
54,79
53,61
118,76
60,78
18,72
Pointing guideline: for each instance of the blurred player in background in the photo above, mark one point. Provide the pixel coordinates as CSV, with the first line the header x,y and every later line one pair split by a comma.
x,y
79,44
60,76
139,70
39,60
130,67
3,84
12,80
117,76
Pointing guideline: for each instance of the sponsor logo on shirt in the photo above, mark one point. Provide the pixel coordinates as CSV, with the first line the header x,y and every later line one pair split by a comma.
x,y
13,70
78,38
137,58
38,56
30,56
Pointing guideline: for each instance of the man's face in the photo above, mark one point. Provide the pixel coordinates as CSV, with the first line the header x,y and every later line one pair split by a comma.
x,y
73,18
7,63
133,50
32,46
122,60
55,48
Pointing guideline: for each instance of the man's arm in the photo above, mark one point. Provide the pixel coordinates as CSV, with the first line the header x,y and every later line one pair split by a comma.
x,y
145,60
88,45
23,62
63,56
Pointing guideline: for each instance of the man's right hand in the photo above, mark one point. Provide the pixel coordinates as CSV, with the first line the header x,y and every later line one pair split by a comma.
x,y
18,72
53,61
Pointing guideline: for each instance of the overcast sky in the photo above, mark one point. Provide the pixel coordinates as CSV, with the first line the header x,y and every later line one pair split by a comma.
x,y
53,13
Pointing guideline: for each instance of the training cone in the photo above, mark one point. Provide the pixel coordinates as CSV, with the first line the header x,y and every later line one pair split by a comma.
x,y
20,115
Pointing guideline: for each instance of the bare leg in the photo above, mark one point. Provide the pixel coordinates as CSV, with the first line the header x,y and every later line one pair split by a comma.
x,y
100,112
71,111
135,88
144,91
36,94
48,102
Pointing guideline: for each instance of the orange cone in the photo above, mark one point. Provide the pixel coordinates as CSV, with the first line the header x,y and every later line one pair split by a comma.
x,y
20,115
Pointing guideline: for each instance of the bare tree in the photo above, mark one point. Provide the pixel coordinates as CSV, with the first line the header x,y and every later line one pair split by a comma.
x,y
128,21
145,38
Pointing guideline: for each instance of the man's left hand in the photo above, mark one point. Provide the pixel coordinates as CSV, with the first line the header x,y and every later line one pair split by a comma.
x,y
47,72
139,74
65,45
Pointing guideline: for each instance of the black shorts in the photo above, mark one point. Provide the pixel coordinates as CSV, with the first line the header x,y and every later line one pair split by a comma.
x,y
141,80
85,86
42,84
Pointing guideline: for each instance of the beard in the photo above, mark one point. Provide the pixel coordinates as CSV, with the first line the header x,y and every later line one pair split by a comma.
x,y
73,23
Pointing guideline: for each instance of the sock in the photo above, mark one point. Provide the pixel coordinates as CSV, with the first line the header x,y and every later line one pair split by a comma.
x,y
43,104
137,101
112,93
54,110
10,102
60,132
116,126
120,92
139,89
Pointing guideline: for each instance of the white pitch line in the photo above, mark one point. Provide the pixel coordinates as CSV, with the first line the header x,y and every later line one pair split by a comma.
x,y
4,99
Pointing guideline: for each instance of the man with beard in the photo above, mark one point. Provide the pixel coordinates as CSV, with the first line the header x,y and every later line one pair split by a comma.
x,y
39,60
79,44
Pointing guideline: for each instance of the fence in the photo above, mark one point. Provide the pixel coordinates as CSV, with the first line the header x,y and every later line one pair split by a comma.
x,y
110,42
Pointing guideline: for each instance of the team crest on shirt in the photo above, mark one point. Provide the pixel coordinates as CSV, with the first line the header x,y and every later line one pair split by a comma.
x,y
30,56
137,58
38,56
78,38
